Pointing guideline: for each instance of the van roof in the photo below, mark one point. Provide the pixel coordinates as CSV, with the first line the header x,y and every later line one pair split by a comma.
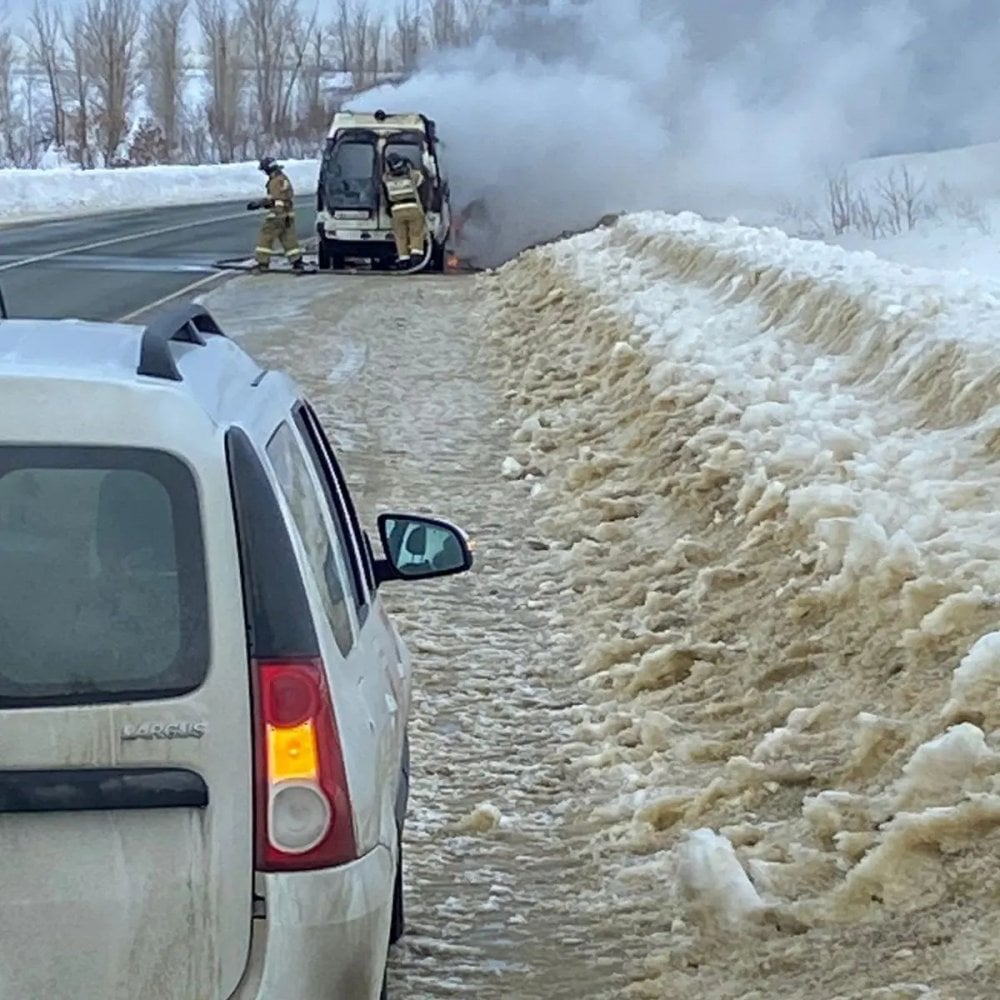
x,y
371,119
182,348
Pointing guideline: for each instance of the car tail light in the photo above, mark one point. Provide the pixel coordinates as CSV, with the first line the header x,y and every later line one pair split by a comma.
x,y
303,809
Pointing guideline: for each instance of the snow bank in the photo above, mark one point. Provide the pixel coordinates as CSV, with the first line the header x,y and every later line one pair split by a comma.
x,y
42,193
770,471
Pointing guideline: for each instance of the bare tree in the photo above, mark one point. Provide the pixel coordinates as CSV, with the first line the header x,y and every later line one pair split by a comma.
x,y
225,46
74,35
455,23
475,19
110,33
277,36
445,27
266,28
351,46
408,34
901,197
45,29
894,207
312,57
300,34
164,57
376,64
8,139
341,30
359,35
840,200
33,141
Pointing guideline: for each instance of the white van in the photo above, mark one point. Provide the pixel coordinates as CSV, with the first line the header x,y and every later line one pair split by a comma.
x,y
203,703
353,220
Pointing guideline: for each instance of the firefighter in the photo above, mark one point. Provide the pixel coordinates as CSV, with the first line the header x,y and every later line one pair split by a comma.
x,y
279,223
402,183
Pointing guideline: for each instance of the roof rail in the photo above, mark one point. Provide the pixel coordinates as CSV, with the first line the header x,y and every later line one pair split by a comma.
x,y
186,323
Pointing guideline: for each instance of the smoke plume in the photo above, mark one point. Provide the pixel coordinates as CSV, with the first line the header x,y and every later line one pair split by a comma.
x,y
572,110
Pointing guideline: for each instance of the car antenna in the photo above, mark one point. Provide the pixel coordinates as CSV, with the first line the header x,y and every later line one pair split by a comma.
x,y
3,307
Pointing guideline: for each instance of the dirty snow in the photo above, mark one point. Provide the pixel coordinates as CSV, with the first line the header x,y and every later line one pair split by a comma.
x,y
505,897
716,715
768,474
33,194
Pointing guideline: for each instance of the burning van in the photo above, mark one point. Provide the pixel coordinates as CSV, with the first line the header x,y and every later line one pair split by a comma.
x,y
353,221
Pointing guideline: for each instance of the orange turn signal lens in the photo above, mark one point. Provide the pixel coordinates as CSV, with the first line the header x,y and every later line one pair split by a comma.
x,y
291,753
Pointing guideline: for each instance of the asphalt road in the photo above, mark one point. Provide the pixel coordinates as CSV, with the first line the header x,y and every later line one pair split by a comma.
x,y
116,265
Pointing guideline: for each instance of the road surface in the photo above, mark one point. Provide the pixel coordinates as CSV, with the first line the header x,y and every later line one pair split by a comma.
x,y
117,265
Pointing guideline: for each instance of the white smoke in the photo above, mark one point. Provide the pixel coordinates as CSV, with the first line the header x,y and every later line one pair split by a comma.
x,y
570,111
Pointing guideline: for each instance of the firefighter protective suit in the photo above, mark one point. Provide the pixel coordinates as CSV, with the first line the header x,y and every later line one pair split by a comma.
x,y
409,223
279,223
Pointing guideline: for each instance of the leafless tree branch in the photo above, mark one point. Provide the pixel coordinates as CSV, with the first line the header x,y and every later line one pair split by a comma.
x,y
164,58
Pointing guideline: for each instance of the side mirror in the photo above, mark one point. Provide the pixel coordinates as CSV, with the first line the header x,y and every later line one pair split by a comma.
x,y
420,548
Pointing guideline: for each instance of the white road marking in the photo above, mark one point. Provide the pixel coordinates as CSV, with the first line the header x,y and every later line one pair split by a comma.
x,y
119,239
122,264
173,295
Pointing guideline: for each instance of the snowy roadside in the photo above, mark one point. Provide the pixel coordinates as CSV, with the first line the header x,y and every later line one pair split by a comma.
x,y
37,195
504,897
959,201
770,473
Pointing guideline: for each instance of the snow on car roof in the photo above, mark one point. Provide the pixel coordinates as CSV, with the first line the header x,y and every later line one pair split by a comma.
x,y
99,350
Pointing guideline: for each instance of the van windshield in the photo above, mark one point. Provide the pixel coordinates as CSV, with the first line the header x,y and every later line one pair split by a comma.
x,y
349,175
102,576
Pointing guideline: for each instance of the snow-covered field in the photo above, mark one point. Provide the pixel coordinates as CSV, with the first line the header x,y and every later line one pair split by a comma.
x,y
32,194
957,206
769,472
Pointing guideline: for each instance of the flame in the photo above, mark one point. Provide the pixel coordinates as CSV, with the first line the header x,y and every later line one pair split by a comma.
x,y
452,263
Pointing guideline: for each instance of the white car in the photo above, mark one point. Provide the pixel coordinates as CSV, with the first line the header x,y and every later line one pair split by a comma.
x,y
203,703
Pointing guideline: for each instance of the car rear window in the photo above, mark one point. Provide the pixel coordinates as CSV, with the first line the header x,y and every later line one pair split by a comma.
x,y
102,578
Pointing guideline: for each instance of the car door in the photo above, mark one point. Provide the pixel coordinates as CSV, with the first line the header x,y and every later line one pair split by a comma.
x,y
366,717
390,673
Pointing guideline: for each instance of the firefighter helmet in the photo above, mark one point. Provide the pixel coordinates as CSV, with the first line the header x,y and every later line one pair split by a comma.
x,y
396,163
